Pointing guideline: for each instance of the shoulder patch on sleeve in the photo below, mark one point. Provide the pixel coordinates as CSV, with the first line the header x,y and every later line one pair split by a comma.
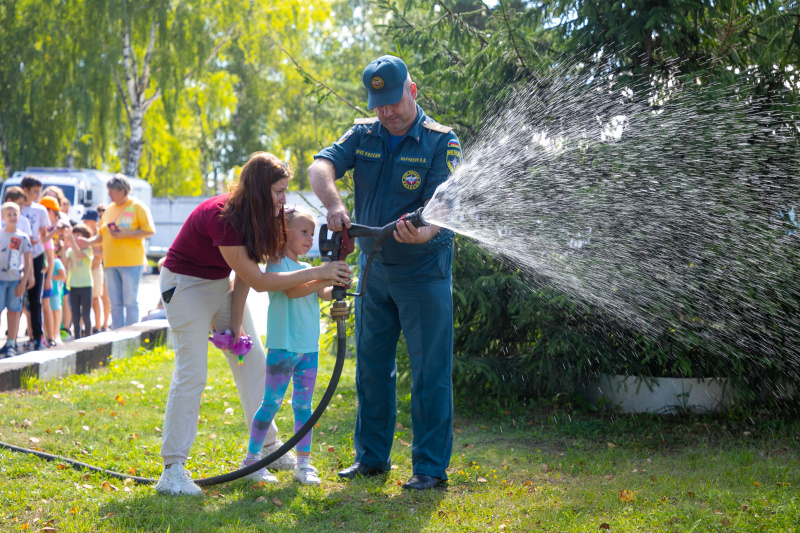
x,y
431,125
368,120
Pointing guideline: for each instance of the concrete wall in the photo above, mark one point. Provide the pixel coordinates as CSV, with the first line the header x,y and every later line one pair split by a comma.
x,y
84,355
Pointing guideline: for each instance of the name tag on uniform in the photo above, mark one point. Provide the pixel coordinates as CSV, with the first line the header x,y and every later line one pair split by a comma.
x,y
413,160
360,152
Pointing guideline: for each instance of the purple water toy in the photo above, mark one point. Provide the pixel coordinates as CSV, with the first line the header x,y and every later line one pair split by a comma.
x,y
225,341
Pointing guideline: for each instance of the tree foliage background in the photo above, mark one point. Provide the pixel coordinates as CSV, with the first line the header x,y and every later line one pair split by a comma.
x,y
220,80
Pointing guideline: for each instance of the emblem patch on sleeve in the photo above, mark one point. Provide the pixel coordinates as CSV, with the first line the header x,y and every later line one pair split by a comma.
x,y
344,137
453,159
411,180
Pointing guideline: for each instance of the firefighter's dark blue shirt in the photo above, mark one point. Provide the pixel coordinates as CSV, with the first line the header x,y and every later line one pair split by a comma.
x,y
390,183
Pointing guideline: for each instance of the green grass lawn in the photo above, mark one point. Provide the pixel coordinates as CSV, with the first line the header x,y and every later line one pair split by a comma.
x,y
541,469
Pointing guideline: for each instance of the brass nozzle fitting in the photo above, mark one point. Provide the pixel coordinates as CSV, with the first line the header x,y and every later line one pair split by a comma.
x,y
340,310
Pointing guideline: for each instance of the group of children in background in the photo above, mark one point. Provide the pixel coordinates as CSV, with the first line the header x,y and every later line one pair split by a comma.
x,y
65,272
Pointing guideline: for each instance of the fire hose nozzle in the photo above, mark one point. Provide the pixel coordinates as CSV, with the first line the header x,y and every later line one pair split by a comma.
x,y
416,218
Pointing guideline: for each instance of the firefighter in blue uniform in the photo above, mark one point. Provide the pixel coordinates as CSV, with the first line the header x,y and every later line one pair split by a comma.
x,y
398,159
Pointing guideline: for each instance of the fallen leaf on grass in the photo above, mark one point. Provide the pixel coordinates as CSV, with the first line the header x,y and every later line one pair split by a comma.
x,y
216,495
690,494
756,484
404,443
81,413
611,445
277,502
469,446
399,425
331,449
482,480
158,429
605,526
48,528
527,483
85,428
87,486
229,411
128,482
261,499
484,427
33,440
120,400
61,466
74,510
626,496
131,471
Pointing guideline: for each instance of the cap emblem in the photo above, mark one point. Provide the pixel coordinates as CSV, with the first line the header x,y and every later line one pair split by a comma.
x,y
377,83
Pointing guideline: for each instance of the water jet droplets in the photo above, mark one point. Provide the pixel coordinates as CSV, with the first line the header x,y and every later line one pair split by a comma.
x,y
663,205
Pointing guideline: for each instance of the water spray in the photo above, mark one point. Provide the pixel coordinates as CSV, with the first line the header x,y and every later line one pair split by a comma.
x,y
335,248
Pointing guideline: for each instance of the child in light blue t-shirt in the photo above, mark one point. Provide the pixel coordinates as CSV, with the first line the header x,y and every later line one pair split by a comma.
x,y
292,349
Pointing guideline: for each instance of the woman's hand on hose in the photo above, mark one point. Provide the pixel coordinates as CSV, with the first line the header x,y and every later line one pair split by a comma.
x,y
337,271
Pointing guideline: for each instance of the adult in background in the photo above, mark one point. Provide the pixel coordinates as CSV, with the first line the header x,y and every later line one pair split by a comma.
x,y
398,160
230,232
125,225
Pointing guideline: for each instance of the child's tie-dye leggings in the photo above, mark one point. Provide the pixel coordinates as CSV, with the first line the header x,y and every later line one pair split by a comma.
x,y
282,366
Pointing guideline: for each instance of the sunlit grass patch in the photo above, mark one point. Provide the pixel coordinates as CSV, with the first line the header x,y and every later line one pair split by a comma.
x,y
550,469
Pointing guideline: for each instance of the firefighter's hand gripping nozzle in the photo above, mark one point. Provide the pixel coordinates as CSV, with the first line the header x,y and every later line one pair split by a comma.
x,y
342,243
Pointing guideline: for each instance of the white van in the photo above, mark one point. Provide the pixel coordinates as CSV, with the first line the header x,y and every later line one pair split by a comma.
x,y
84,188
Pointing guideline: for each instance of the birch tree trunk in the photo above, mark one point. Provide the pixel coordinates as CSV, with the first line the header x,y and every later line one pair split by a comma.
x,y
133,97
133,92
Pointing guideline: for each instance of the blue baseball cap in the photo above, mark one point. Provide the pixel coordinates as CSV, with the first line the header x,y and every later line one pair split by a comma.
x,y
91,214
384,79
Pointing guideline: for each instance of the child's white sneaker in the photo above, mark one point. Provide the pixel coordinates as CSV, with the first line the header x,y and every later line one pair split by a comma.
x,y
177,482
307,475
262,475
286,461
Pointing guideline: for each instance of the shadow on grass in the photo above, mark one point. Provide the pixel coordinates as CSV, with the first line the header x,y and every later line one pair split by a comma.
x,y
360,505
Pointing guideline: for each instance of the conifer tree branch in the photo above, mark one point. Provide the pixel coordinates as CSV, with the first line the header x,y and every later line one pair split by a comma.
x,y
452,53
470,28
318,83
513,40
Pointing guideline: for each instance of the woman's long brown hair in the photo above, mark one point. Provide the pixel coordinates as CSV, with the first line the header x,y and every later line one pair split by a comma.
x,y
250,209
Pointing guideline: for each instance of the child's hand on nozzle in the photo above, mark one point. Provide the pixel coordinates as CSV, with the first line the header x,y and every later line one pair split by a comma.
x,y
222,339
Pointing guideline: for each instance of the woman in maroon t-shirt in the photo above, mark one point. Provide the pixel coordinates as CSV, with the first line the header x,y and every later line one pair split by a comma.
x,y
231,232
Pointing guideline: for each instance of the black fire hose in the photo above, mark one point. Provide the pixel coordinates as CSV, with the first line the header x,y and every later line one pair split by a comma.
x,y
342,308
333,249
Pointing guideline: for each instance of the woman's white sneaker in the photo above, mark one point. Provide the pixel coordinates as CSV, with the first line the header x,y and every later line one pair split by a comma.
x,y
307,475
175,481
260,475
